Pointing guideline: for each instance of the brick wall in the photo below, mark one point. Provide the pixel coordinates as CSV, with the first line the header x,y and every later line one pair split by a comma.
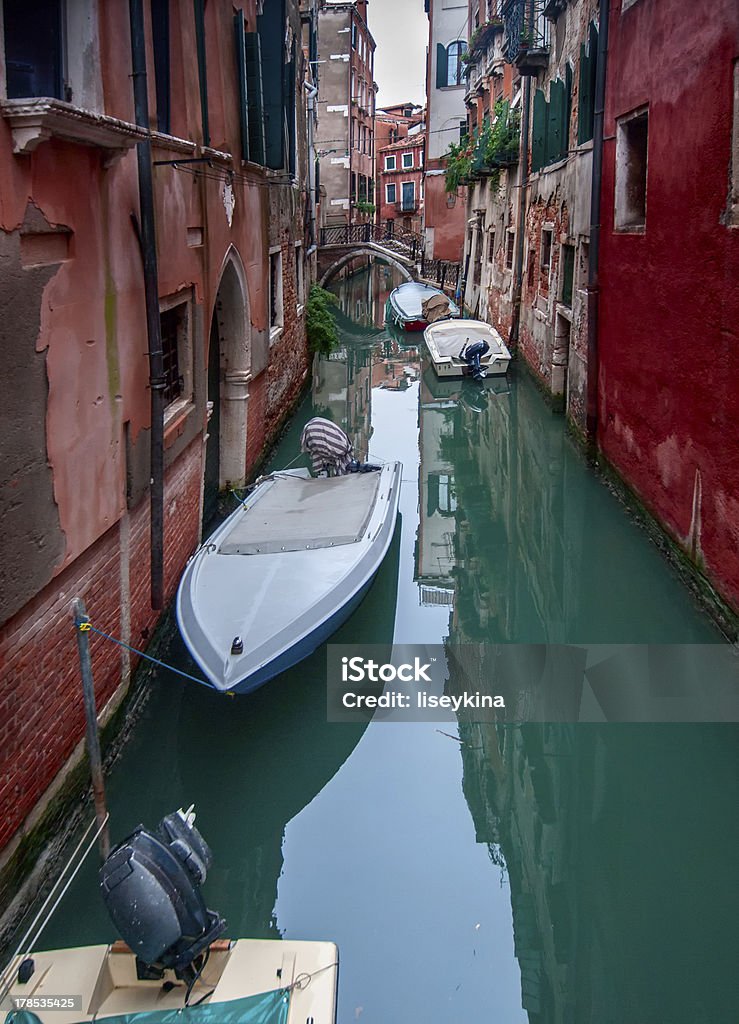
x,y
41,711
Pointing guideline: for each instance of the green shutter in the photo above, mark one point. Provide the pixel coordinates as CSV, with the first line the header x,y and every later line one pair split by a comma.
x,y
554,122
240,43
199,10
256,97
271,27
567,110
539,132
568,273
586,102
442,66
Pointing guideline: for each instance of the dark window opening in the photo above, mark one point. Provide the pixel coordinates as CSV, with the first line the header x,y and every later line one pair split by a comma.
x,y
510,240
631,172
568,273
160,33
33,49
172,324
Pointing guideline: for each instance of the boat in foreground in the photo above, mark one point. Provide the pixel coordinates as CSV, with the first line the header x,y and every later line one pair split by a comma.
x,y
283,572
460,348
172,963
412,306
247,981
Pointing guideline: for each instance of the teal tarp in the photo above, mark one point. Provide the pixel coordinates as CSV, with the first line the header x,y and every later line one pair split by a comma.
x,y
265,1008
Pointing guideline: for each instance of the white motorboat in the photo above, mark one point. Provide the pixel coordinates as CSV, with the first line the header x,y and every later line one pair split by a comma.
x,y
460,348
283,572
412,305
172,963
264,981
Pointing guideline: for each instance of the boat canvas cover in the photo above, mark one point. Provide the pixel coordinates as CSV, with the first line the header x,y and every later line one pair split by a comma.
x,y
296,513
436,308
329,447
264,1008
451,343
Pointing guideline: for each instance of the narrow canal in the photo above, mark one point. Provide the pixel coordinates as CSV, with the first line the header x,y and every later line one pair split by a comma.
x,y
555,874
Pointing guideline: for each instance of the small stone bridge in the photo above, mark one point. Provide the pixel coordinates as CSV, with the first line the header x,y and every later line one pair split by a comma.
x,y
402,250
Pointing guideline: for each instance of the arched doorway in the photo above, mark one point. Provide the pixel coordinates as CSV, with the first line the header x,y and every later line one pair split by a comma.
x,y
229,373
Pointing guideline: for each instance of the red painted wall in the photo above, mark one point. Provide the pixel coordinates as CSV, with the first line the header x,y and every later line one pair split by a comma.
x,y
669,302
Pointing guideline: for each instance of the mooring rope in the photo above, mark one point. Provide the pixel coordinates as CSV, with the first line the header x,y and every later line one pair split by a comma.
x,y
85,626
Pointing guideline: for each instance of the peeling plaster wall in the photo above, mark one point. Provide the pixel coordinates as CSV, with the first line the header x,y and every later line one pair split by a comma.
x,y
669,351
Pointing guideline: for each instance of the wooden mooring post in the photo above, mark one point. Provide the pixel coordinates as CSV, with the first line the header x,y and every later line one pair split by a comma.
x,y
92,738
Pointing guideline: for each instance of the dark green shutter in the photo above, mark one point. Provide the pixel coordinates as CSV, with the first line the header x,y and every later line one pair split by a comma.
x,y
554,122
568,273
240,43
567,111
539,132
586,101
271,27
199,9
255,94
442,66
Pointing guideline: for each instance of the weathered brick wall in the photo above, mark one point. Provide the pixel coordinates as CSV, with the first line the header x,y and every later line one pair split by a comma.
x,y
41,711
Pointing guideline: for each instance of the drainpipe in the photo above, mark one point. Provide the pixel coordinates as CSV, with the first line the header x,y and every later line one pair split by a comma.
x,y
591,425
524,164
151,292
312,92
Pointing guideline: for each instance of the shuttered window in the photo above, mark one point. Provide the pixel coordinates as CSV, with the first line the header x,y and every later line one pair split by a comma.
x,y
255,95
586,100
240,44
271,29
539,132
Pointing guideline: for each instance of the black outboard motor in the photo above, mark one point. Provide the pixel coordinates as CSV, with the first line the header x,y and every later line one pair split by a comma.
x,y
151,888
472,354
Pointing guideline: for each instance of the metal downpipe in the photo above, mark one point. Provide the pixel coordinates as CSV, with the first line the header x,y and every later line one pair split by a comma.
x,y
591,424
151,291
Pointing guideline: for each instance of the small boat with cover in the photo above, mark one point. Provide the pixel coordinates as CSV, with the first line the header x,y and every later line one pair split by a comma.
x,y
172,963
413,306
288,567
460,348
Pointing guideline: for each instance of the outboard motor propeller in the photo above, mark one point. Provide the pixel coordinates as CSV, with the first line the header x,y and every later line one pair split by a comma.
x,y
151,888
472,354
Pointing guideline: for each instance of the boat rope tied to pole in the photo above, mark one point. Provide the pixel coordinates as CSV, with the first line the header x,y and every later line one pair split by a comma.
x,y
86,626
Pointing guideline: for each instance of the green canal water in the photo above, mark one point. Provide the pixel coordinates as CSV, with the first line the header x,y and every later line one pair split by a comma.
x,y
555,874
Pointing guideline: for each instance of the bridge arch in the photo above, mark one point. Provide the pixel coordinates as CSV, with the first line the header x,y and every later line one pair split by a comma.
x,y
365,250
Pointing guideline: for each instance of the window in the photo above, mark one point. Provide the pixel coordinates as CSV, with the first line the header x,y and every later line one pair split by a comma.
x,y
510,240
491,247
279,90
568,273
175,327
631,172
586,99
408,196
299,275
551,123
391,193
46,51
545,264
389,163
407,161
449,66
354,35
275,291
160,38
463,132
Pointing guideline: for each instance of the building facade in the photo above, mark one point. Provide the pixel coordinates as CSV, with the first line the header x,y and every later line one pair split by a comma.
x,y
220,283
345,136
668,275
609,337
400,183
444,212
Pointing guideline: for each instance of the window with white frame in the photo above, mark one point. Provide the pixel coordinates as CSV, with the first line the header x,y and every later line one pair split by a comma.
x,y
407,161
391,193
299,275
175,324
408,196
449,66
390,163
276,318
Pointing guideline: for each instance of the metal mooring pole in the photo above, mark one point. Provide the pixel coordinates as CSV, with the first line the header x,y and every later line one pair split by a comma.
x,y
92,739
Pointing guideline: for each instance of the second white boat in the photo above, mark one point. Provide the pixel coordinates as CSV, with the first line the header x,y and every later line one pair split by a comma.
x,y
460,348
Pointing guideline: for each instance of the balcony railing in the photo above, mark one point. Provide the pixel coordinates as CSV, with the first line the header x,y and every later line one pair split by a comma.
x,y
526,39
407,205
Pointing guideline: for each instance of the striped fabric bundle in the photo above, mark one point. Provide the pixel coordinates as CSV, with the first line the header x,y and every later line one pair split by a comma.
x,y
329,447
